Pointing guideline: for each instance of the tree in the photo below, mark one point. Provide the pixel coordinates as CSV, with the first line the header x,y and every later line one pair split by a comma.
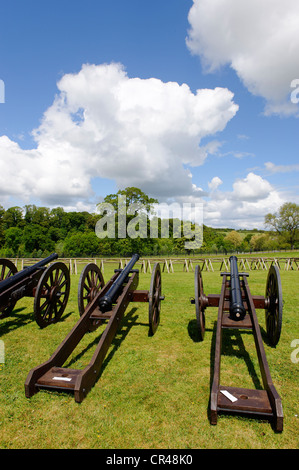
x,y
233,239
133,196
77,221
81,244
285,222
2,235
258,242
13,239
37,215
36,238
126,214
13,217
59,219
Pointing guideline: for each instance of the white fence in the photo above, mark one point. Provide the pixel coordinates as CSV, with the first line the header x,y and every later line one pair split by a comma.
x,y
169,264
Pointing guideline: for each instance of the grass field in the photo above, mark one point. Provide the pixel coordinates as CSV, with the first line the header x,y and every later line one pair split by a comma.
x,y
153,392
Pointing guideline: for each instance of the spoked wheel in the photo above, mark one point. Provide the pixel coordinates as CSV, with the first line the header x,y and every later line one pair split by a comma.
x,y
274,306
7,269
155,298
52,294
200,302
90,283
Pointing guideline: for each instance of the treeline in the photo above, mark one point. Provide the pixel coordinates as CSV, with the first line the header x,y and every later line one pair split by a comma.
x,y
243,241
32,231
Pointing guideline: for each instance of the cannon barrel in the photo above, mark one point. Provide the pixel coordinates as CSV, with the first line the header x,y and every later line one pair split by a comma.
x,y
105,302
21,275
237,309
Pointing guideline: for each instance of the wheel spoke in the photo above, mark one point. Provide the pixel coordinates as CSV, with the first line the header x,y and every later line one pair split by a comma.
x,y
54,287
90,283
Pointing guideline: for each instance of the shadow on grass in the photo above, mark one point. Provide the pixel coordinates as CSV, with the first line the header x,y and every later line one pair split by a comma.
x,y
193,331
17,319
127,323
232,345
14,321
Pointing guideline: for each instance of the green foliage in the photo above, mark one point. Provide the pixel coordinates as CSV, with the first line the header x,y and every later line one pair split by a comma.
x,y
285,222
133,196
81,244
13,238
37,231
233,240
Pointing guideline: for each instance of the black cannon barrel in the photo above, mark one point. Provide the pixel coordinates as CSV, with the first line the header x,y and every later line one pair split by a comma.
x,y
105,302
13,280
237,309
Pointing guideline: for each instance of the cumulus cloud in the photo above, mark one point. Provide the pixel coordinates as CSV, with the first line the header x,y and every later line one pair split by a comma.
x,y
215,183
251,188
244,206
137,132
258,39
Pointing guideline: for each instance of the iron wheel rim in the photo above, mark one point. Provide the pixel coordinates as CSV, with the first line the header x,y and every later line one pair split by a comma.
x,y
273,312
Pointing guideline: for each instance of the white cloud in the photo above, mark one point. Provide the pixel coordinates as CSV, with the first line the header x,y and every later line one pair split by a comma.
x,y
104,124
245,206
258,39
251,188
281,168
215,183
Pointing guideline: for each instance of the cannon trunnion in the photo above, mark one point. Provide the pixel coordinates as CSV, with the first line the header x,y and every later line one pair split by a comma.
x,y
237,310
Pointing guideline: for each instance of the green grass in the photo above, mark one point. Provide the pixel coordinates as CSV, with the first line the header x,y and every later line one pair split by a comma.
x,y
153,392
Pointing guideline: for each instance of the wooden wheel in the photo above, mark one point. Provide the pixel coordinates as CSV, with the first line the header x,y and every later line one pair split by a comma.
x,y
52,294
200,302
90,283
274,305
155,298
7,269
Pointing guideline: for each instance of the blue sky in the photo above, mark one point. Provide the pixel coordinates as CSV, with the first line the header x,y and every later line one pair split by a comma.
x,y
246,136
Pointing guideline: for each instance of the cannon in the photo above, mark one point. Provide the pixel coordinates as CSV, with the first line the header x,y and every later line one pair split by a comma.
x,y
98,303
237,310
49,286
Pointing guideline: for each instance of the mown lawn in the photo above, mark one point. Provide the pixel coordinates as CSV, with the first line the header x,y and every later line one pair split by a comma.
x,y
153,392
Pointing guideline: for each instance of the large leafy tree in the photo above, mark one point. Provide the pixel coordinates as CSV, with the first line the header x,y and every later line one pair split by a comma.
x,y
13,217
233,240
285,222
133,196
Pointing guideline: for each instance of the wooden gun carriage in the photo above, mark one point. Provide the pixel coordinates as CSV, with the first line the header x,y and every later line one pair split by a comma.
x,y
98,302
50,287
237,310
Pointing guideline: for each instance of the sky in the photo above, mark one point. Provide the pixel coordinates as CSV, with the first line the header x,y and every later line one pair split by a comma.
x,y
190,101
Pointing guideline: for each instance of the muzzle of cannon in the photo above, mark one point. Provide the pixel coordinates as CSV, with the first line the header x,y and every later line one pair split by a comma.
x,y
237,311
49,286
98,303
